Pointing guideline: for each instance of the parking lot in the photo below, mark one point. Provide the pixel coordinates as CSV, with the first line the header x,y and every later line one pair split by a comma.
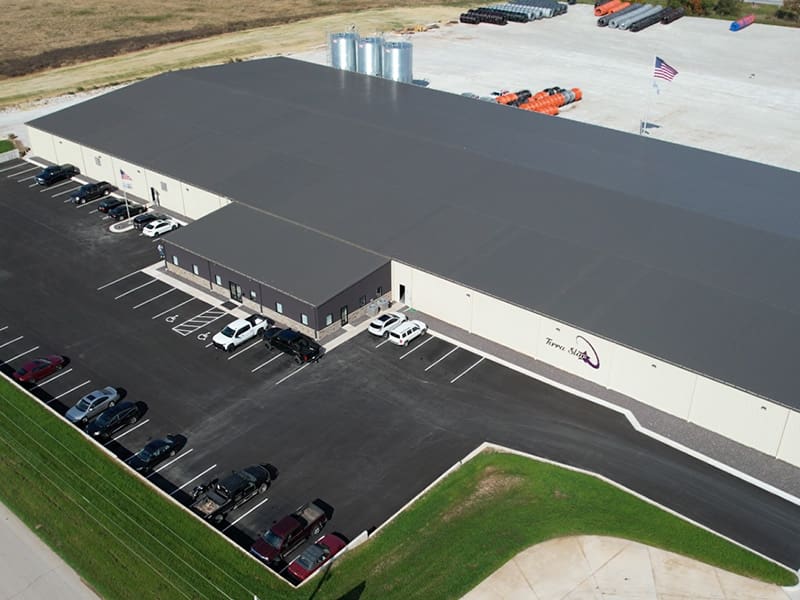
x,y
365,429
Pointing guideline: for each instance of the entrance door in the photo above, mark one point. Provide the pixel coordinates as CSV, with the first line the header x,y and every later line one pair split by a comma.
x,y
154,196
402,294
343,314
236,291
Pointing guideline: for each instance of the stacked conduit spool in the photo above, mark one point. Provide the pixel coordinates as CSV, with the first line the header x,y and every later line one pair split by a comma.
x,y
619,14
515,11
547,102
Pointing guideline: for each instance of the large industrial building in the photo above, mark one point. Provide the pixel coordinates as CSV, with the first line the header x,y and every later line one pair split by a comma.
x,y
656,270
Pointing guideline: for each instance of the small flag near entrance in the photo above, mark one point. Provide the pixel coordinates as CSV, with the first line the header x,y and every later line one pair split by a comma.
x,y
127,180
663,70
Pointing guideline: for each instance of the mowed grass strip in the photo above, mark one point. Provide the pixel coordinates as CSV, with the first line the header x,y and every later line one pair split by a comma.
x,y
123,538
6,146
129,542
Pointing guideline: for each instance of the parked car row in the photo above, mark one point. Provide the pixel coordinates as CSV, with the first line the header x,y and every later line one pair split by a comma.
x,y
397,328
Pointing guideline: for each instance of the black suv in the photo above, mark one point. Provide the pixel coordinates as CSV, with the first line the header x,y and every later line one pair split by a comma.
x,y
122,212
91,191
294,343
113,419
140,221
56,173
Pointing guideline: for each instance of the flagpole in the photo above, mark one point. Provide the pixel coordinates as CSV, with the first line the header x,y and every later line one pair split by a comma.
x,y
648,107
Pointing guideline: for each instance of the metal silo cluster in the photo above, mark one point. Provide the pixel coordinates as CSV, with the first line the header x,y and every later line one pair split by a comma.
x,y
547,102
619,14
517,11
372,56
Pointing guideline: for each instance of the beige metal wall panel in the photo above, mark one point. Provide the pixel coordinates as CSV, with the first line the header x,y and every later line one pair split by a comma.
x,y
42,144
69,152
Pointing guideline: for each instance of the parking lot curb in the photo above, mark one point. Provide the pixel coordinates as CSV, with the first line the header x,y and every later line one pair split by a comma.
x,y
631,419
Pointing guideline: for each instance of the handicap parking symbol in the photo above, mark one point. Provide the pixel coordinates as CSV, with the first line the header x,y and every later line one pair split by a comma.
x,y
171,318
203,336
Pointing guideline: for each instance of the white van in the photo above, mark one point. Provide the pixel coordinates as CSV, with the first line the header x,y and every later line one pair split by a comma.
x,y
405,332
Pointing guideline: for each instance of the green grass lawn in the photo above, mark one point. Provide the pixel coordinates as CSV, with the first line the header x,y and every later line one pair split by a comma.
x,y
6,145
129,542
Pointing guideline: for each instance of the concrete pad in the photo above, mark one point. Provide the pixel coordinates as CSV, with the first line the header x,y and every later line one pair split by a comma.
x,y
601,568
29,570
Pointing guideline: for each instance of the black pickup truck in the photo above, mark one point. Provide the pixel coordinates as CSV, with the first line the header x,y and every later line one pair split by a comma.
x,y
297,345
214,500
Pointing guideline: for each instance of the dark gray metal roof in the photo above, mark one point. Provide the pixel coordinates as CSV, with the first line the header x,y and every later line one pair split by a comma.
x,y
295,260
683,254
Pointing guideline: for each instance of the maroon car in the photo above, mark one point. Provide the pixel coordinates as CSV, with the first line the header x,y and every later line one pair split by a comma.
x,y
288,533
316,555
38,369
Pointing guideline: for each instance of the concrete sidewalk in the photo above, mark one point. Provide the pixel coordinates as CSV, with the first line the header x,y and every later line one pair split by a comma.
x,y
29,570
602,568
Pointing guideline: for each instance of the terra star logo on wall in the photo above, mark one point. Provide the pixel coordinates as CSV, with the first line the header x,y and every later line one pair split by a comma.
x,y
582,350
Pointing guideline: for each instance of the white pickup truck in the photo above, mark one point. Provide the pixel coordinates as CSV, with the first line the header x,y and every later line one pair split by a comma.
x,y
239,331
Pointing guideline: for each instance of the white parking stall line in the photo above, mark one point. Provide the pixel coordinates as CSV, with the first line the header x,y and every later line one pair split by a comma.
x,y
55,186
195,478
382,343
253,345
265,500
122,435
12,341
33,185
468,370
209,344
117,280
154,298
12,167
28,178
65,192
4,328
22,354
173,308
69,391
295,372
430,366
53,378
416,347
138,287
266,363
176,459
199,321
28,170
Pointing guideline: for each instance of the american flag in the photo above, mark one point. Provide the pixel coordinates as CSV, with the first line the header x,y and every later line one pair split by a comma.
x,y
664,71
127,180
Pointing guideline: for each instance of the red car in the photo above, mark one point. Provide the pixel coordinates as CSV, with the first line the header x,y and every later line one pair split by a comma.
x,y
38,369
316,555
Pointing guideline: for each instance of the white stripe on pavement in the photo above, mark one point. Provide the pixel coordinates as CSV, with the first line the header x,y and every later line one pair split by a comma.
x,y
122,435
10,168
21,172
467,371
26,179
441,359
195,478
54,186
176,459
382,343
154,298
22,354
12,341
4,328
253,345
173,308
65,192
53,378
245,514
295,372
138,287
416,348
80,385
116,280
266,363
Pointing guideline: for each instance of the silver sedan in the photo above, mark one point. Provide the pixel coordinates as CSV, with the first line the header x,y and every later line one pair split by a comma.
x,y
92,405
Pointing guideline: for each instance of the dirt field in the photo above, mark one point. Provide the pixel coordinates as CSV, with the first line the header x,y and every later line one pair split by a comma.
x,y
292,37
45,34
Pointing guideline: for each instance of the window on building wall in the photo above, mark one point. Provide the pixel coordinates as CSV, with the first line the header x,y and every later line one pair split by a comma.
x,y
304,318
379,291
253,295
362,301
195,269
217,279
279,308
98,160
328,319
163,186
174,260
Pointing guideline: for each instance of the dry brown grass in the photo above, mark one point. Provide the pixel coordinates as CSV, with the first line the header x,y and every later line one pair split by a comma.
x,y
60,33
491,484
